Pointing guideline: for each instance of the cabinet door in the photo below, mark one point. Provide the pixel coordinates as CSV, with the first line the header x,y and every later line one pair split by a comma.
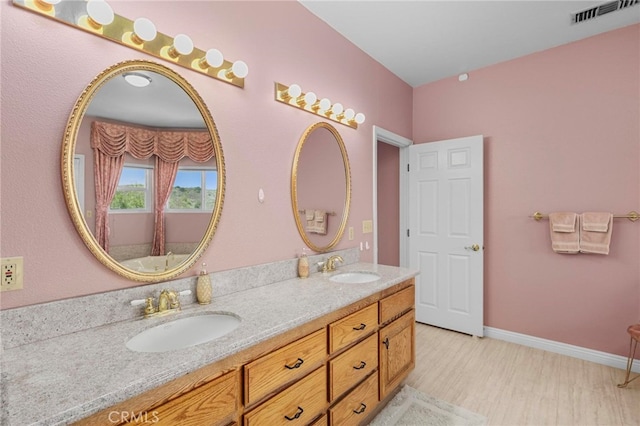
x,y
397,352
352,366
215,403
272,371
297,405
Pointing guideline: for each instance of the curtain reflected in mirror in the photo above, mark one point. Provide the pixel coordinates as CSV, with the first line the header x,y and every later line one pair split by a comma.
x,y
154,172
321,187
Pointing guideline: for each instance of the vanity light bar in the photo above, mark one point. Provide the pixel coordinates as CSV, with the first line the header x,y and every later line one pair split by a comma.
x,y
140,35
293,96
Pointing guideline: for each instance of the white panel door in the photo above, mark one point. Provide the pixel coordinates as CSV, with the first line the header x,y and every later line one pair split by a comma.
x,y
446,232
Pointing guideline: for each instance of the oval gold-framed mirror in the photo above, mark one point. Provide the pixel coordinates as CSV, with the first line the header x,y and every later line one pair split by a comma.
x,y
321,187
143,145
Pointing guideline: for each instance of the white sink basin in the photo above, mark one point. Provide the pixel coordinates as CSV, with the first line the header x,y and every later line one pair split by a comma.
x,y
355,277
183,332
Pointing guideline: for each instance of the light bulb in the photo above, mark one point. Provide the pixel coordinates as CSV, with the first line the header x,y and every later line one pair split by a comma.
x,y
349,113
143,30
137,79
294,91
214,58
46,5
100,12
337,108
325,104
182,45
310,98
360,118
240,69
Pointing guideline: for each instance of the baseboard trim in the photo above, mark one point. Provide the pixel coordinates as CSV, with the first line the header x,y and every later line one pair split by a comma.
x,y
585,354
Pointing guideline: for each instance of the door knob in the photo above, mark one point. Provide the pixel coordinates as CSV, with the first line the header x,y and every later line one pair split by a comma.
x,y
474,247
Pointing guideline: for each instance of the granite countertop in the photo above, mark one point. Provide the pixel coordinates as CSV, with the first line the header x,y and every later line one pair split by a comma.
x,y
67,378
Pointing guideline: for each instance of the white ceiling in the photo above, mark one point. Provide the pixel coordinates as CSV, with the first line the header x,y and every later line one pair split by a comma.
x,y
423,40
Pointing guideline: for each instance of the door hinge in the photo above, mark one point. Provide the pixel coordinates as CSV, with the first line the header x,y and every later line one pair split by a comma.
x,y
408,166
408,233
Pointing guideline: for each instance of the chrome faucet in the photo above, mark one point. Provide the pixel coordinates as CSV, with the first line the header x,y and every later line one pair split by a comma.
x,y
330,264
168,302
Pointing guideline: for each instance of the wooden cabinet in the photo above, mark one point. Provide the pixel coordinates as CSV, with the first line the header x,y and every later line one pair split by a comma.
x,y
336,375
352,366
302,402
215,403
397,352
352,328
354,408
285,365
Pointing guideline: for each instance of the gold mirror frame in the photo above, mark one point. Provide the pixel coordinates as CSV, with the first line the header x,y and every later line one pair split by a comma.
x,y
69,184
294,187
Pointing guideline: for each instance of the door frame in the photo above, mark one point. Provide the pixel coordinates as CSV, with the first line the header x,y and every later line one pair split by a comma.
x,y
388,137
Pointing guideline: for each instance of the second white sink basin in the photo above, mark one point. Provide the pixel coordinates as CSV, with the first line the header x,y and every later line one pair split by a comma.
x,y
355,277
183,332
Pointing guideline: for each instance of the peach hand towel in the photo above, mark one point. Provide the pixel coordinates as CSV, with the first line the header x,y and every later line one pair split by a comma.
x,y
563,221
563,238
595,241
320,222
596,221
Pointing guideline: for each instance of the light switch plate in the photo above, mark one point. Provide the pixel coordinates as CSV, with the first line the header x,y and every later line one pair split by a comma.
x,y
351,233
367,226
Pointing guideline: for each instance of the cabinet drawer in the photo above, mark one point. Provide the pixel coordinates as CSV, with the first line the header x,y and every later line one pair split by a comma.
x,y
347,369
352,328
394,305
357,405
321,421
301,402
215,400
272,371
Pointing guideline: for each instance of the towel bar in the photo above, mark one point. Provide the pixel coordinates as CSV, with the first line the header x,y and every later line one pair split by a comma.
x,y
632,216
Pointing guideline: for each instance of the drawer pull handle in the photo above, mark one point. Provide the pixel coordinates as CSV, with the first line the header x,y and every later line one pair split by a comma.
x,y
362,326
297,415
386,343
296,365
361,366
361,409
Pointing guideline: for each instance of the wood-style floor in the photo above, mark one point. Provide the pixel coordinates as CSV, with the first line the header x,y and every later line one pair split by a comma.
x,y
516,385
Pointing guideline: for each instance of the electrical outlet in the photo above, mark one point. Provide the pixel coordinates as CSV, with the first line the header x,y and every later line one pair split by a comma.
x,y
12,270
351,233
367,226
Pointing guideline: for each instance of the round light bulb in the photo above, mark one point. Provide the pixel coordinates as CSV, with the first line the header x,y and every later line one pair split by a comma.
x,y
337,108
100,12
214,58
182,44
144,29
294,91
360,118
310,98
325,104
349,113
240,69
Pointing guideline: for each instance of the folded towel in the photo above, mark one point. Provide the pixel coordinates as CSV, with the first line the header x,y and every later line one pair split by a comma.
x,y
564,241
563,221
596,221
596,241
309,214
320,215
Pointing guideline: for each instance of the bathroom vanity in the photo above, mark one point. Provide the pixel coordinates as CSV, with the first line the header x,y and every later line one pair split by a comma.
x,y
306,351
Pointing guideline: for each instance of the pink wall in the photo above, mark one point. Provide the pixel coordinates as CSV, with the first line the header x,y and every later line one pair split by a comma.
x,y
562,132
46,66
388,204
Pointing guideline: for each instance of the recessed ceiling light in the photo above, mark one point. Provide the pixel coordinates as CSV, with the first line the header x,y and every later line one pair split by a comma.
x,y
137,79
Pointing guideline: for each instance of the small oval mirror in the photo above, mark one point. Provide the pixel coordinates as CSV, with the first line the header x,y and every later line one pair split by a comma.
x,y
138,155
321,187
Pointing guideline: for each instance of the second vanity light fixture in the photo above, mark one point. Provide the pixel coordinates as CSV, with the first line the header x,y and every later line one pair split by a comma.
x,y
97,17
293,96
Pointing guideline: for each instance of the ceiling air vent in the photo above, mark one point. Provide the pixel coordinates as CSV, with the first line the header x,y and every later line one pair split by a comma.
x,y
594,12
